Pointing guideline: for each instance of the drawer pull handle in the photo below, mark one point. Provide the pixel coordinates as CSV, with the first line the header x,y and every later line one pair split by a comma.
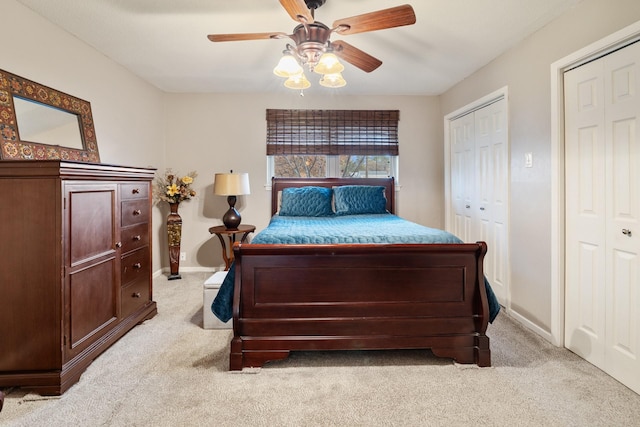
x,y
137,212
136,238
118,244
626,232
136,295
135,191
137,265
467,206
482,208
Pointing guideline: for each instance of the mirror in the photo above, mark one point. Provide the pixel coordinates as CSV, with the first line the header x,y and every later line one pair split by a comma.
x,y
40,123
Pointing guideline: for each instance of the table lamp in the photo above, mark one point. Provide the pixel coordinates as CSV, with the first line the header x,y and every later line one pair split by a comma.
x,y
231,185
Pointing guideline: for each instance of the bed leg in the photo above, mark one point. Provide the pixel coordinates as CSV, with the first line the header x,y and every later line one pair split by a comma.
x,y
257,358
235,355
483,352
479,353
240,358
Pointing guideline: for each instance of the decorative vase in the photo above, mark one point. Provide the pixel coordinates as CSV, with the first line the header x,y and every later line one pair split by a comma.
x,y
174,234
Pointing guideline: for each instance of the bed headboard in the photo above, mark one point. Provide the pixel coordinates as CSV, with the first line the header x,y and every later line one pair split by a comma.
x,y
278,184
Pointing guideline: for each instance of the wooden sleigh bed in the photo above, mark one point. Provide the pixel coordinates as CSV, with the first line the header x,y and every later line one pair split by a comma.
x,y
301,297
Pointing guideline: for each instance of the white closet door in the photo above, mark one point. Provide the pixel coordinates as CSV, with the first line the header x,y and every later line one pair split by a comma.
x,y
585,212
603,213
462,182
622,127
479,187
491,190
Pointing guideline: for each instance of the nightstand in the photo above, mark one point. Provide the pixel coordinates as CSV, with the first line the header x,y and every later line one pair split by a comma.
x,y
221,231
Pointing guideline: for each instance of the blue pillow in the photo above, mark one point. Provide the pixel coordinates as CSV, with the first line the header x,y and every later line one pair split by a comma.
x,y
360,199
306,201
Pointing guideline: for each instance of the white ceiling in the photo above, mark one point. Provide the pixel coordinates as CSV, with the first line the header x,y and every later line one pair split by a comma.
x,y
164,41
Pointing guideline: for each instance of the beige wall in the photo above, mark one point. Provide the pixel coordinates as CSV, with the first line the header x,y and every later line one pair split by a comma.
x,y
126,110
213,133
526,71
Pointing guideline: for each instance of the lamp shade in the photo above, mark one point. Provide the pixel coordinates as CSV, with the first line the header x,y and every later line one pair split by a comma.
x,y
231,184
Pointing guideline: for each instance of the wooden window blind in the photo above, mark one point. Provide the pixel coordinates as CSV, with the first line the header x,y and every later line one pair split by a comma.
x,y
332,132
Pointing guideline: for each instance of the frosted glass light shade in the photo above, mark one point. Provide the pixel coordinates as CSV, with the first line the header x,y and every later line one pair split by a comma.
x,y
231,184
287,66
328,64
333,80
298,81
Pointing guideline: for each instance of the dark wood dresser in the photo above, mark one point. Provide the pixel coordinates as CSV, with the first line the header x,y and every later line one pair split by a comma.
x,y
75,267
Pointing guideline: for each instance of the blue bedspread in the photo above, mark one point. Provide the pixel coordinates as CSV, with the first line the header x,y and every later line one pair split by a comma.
x,y
348,229
372,228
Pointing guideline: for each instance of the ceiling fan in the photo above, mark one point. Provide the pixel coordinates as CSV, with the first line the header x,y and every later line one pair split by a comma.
x,y
311,37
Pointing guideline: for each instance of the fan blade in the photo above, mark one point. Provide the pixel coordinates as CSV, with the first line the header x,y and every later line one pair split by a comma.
x,y
386,18
298,10
245,36
355,56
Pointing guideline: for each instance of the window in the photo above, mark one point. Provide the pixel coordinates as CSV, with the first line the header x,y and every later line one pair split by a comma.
x,y
344,143
295,165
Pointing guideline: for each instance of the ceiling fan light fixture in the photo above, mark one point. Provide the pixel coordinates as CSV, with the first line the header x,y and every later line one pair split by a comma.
x,y
298,81
287,66
328,64
333,80
312,49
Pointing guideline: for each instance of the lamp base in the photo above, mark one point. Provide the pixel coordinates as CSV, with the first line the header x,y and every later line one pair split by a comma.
x,y
231,218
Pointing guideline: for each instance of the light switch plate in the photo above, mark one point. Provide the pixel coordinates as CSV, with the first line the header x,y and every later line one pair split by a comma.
x,y
528,160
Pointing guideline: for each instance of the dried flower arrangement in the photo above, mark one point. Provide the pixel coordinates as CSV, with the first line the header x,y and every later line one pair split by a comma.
x,y
173,188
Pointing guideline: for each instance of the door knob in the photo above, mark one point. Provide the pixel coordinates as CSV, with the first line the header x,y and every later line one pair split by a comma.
x,y
626,232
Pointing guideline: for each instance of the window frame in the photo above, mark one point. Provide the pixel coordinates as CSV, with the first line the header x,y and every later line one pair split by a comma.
x,y
333,169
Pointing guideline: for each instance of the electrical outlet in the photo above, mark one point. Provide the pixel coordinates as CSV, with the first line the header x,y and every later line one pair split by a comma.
x,y
183,256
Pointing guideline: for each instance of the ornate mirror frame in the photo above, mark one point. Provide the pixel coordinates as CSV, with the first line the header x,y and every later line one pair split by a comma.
x,y
13,148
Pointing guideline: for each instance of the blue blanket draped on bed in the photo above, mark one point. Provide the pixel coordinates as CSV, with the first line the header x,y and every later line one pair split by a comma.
x,y
349,229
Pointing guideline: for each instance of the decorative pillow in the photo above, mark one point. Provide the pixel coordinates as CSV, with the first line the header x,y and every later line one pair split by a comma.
x,y
359,199
306,201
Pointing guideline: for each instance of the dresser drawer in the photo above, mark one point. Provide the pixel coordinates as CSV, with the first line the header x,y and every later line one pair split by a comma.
x,y
134,212
134,237
134,190
135,266
134,296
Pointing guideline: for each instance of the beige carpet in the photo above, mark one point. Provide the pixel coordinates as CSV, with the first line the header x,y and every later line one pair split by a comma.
x,y
171,372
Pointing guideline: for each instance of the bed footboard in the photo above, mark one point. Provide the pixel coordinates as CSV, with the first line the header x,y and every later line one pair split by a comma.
x,y
341,297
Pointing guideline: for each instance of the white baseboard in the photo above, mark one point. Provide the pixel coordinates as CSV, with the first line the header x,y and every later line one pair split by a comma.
x,y
532,326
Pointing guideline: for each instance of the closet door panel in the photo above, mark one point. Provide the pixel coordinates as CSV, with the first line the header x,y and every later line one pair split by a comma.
x,y
480,187
462,183
585,213
492,192
622,76
602,318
